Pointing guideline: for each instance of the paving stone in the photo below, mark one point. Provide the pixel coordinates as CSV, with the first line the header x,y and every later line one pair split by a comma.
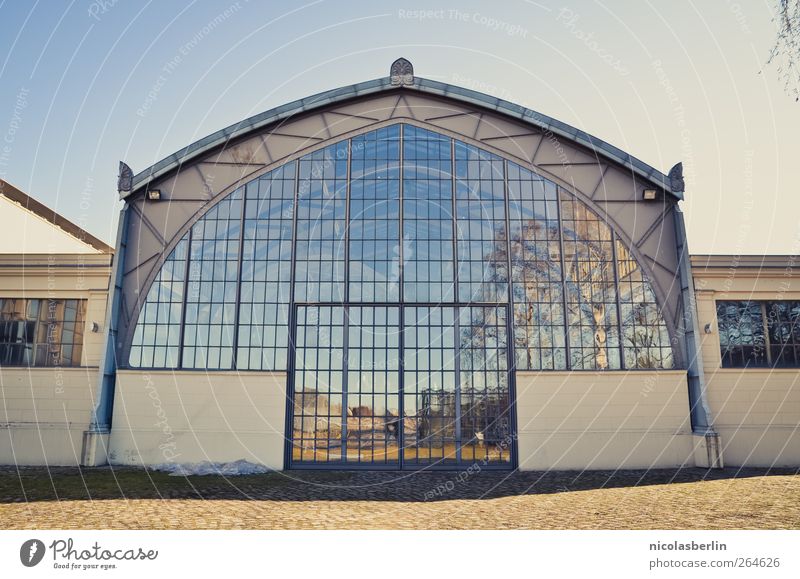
x,y
123,498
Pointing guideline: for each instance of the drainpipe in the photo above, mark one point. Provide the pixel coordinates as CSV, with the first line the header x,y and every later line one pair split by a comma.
x,y
95,440
707,447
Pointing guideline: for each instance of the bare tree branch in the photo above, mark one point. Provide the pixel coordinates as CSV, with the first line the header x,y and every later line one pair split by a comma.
x,y
785,55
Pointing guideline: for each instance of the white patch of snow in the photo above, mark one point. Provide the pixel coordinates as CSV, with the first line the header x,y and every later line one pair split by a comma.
x,y
235,468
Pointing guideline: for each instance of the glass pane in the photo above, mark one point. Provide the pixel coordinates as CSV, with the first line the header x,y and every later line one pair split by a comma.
x,y
375,248
590,288
741,334
321,226
536,276
428,269
645,338
212,285
266,271
46,332
481,225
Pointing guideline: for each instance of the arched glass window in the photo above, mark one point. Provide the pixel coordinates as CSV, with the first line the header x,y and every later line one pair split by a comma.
x,y
401,215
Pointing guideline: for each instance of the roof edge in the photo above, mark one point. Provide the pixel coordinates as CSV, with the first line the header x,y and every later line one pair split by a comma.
x,y
50,215
385,84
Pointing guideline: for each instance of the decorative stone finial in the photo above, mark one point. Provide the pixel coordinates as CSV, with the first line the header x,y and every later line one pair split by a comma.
x,y
125,178
676,182
402,72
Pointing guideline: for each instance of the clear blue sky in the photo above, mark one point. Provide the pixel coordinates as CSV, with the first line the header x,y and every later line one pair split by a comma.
x,y
665,81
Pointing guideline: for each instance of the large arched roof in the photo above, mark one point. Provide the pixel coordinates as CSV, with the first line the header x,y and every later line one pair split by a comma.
x,y
542,122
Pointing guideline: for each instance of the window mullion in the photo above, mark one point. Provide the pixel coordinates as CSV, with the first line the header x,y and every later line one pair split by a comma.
x,y
765,327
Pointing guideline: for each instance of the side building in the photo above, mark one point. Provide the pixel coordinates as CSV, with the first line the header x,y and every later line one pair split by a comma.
x,y
53,288
749,311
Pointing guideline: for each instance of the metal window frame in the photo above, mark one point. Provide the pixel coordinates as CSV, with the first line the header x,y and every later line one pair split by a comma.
x,y
400,464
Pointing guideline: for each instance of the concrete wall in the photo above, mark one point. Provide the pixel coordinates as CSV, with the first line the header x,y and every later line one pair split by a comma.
x,y
603,420
192,416
755,411
43,413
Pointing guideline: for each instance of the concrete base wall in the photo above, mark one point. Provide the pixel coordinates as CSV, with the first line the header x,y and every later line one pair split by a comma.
x,y
757,414
192,416
603,420
43,413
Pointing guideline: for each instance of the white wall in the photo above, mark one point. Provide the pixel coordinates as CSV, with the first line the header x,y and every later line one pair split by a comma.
x,y
603,420
756,411
43,413
192,416
26,232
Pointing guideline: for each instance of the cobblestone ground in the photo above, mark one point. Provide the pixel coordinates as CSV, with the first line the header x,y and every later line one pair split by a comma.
x,y
660,499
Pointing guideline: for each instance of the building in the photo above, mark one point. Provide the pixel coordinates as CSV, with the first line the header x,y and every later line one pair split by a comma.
x,y
404,274
749,308
53,289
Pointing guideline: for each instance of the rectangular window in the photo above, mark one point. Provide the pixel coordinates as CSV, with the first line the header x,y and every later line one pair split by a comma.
x,y
783,325
428,269
266,271
41,332
211,289
759,333
481,226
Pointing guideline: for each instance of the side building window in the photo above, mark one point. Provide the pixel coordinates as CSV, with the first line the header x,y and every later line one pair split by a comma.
x,y
759,333
41,332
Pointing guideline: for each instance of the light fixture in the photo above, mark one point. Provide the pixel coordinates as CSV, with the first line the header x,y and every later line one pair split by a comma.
x,y
707,329
649,194
154,194
95,327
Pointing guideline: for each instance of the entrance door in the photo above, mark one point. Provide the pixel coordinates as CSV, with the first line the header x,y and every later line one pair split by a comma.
x,y
390,387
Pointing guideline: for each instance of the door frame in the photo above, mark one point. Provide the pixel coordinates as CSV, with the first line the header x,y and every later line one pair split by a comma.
x,y
400,465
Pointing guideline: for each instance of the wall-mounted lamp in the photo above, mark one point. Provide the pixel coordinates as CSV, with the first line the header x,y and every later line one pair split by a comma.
x,y
154,194
649,194
707,329
95,327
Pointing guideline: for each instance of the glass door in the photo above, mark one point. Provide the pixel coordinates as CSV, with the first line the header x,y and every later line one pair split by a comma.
x,y
390,387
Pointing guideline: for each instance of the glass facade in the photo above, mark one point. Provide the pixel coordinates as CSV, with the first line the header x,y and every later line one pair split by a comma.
x,y
156,341
418,270
266,275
